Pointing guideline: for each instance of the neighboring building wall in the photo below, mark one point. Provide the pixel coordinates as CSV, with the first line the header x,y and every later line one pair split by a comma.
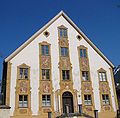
x,y
30,56
4,112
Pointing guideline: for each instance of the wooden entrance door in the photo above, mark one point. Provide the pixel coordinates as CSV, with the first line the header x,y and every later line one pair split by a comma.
x,y
67,99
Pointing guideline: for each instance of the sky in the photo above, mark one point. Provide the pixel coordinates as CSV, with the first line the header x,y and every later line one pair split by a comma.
x,y
98,19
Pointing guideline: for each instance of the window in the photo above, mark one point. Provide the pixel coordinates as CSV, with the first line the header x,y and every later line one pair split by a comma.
x,y
64,51
85,75
23,73
102,76
63,33
65,74
83,53
87,100
45,50
23,101
45,74
46,100
105,99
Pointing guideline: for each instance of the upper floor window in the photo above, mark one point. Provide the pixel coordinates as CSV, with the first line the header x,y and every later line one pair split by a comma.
x,y
45,74
23,72
83,53
87,100
105,99
102,76
85,75
64,51
46,101
23,101
65,74
45,49
63,32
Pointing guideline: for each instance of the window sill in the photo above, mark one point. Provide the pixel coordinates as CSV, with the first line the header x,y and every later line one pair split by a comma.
x,y
89,105
22,79
23,107
45,80
46,106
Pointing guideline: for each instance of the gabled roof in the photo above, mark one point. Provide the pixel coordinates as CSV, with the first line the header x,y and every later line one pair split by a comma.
x,y
47,25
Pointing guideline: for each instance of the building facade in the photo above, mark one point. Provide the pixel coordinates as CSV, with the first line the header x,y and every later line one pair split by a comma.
x,y
57,70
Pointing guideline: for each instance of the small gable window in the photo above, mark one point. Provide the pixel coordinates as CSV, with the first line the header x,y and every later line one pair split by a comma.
x,y
23,73
102,76
62,31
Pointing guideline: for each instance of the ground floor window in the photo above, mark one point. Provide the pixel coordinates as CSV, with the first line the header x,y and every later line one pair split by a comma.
x,y
87,100
23,100
105,99
46,100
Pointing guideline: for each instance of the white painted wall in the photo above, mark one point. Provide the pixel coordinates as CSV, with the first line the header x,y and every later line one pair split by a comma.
x,y
4,113
30,56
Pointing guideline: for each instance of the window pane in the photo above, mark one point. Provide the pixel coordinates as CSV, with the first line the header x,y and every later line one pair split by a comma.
x,y
47,74
47,50
21,72
84,53
20,98
65,33
20,104
25,97
26,73
60,32
81,53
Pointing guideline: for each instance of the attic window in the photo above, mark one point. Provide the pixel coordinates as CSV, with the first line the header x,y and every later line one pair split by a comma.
x,y
46,33
79,37
62,31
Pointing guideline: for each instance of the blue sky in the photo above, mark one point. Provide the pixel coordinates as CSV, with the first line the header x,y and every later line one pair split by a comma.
x,y
98,19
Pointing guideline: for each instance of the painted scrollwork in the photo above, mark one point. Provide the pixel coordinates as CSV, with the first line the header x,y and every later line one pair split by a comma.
x,y
65,63
63,43
45,61
23,87
86,87
104,87
46,87
84,64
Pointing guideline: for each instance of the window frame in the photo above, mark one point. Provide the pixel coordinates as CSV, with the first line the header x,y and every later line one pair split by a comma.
x,y
86,75
67,74
23,102
88,102
83,53
46,102
105,101
46,77
45,51
101,77
23,75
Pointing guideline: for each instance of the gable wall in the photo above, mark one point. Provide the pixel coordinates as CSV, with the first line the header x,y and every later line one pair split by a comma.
x,y
30,56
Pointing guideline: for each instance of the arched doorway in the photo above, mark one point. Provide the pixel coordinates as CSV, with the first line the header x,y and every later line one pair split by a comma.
x,y
67,100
